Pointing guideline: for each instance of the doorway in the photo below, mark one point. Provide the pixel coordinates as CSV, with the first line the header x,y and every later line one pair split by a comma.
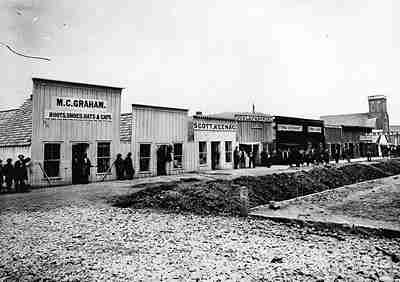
x,y
256,154
78,152
161,160
215,155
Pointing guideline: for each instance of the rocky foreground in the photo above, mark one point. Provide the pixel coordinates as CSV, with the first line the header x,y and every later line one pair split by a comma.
x,y
99,243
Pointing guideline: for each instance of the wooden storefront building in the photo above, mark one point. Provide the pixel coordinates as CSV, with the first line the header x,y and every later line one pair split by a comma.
x,y
211,143
158,139
255,131
61,120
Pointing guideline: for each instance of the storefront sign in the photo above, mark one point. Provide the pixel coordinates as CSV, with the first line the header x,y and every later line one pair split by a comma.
x,y
72,108
200,125
254,118
74,115
366,138
75,104
314,129
290,127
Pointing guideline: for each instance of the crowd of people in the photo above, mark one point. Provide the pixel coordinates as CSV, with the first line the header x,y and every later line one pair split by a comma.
x,y
289,156
15,175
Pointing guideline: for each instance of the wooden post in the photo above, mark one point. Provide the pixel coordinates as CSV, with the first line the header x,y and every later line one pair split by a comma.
x,y
244,201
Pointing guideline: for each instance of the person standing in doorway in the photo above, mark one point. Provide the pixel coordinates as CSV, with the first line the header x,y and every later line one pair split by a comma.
x,y
76,169
236,157
337,155
86,165
119,167
128,164
242,159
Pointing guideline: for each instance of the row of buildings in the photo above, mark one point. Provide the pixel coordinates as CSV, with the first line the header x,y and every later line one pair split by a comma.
x,y
62,120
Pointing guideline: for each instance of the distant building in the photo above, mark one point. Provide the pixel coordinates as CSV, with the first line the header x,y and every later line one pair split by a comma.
x,y
357,130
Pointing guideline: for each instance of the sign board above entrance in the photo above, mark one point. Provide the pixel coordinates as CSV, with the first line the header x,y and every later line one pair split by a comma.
x,y
314,129
290,127
250,117
73,108
213,126
75,104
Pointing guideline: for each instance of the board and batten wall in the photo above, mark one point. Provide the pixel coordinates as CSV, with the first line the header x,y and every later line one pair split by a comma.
x,y
13,152
66,132
158,126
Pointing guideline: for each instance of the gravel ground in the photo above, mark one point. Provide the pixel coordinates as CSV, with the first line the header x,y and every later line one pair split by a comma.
x,y
71,234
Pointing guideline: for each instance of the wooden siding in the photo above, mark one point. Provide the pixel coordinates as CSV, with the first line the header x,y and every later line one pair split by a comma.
x,y
67,132
255,132
13,152
157,126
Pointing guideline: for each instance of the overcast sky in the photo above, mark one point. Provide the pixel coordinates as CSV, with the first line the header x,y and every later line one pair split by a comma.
x,y
291,57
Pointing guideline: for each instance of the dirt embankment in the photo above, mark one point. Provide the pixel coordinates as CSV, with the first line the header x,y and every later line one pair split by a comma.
x,y
220,196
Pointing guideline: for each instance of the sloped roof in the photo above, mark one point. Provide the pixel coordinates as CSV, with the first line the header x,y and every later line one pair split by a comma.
x,y
4,115
16,130
125,127
232,115
353,120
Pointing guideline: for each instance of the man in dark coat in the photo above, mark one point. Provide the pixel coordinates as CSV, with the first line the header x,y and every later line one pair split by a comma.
x,y
86,164
128,164
8,171
264,157
236,157
119,167
21,175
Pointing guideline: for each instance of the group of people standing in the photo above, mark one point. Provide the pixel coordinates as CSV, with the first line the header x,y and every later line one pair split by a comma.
x,y
243,159
124,167
14,174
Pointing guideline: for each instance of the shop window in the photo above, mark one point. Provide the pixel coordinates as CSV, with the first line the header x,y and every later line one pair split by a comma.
x,y
178,155
144,157
228,151
103,157
51,159
203,153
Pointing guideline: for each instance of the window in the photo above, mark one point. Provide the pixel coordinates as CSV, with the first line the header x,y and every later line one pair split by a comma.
x,y
144,157
103,157
228,151
203,153
52,159
178,155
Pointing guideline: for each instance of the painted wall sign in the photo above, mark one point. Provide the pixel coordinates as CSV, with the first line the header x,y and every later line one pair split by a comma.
x,y
72,108
314,129
212,126
290,127
73,115
78,104
254,118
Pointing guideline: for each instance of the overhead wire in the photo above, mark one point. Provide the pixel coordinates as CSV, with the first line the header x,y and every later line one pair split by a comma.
x,y
23,55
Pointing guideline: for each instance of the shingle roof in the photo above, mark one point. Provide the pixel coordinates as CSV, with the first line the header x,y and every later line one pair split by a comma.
x,y
16,130
4,115
126,127
354,120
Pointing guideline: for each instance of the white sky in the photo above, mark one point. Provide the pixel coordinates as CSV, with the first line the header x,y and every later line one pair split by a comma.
x,y
291,57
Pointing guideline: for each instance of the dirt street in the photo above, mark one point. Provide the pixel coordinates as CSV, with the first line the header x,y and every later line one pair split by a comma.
x,y
72,234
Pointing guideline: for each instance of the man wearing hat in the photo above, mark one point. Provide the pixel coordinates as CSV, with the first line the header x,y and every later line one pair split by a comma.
x,y
20,173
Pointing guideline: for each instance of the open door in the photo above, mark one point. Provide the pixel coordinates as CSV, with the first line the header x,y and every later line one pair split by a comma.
x,y
161,160
78,152
215,155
